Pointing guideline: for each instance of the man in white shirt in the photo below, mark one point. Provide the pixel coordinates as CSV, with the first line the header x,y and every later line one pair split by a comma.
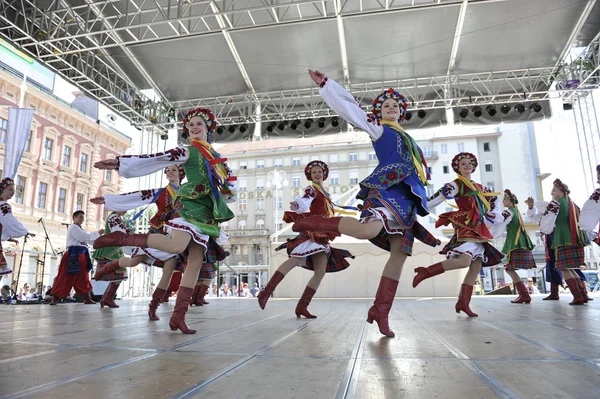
x,y
75,264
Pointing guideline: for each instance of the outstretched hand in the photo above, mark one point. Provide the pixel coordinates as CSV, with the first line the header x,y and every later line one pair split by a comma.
x,y
294,206
316,76
97,200
30,235
529,201
107,164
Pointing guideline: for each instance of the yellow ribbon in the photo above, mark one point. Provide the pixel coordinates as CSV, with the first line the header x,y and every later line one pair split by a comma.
x,y
172,192
418,165
330,205
480,194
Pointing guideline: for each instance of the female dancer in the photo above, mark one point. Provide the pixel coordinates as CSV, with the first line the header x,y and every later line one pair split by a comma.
x,y
200,204
517,246
470,245
10,227
560,218
393,193
309,250
590,213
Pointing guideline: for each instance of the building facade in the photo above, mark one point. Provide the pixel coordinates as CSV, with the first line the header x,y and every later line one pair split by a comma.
x,y
56,177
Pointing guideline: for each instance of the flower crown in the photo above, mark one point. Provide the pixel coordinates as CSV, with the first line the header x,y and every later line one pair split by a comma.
x,y
320,164
386,95
561,186
458,157
511,197
204,113
7,181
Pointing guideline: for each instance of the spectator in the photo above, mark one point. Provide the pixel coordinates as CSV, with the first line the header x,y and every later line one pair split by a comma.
x,y
225,290
531,288
254,290
5,295
234,291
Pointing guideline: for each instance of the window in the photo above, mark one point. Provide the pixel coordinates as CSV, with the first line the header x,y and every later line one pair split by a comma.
x,y
372,156
446,169
314,157
461,147
243,165
242,225
486,147
224,226
258,247
43,189
430,190
20,189
66,158
242,185
108,175
278,163
62,196
278,202
260,183
296,162
236,249
260,204
427,151
3,126
260,164
83,163
352,157
28,145
333,157
431,218
296,181
491,186
278,226
444,148
353,177
334,179
79,202
242,205
48,143
489,167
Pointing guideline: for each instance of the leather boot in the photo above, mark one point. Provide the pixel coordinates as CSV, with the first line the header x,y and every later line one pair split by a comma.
x,y
464,298
583,290
201,294
194,300
120,239
108,268
184,296
317,224
265,294
167,294
87,299
553,293
425,273
108,299
154,303
382,305
523,293
574,287
302,306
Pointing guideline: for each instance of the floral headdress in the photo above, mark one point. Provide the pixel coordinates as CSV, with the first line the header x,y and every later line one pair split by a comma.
x,y
7,181
561,186
320,164
511,197
386,95
181,172
204,113
458,157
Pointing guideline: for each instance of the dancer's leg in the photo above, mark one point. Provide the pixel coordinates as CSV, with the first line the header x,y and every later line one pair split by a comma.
x,y
186,288
175,244
282,270
159,291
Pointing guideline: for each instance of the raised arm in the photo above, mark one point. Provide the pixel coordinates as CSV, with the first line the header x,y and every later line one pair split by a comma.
x,y
449,191
548,219
142,165
590,213
500,222
344,104
302,204
127,201
11,227
536,210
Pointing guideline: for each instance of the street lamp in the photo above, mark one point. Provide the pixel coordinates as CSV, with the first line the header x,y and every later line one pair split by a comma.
x,y
276,179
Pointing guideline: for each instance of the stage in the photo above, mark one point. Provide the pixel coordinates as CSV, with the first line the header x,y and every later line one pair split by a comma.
x,y
546,349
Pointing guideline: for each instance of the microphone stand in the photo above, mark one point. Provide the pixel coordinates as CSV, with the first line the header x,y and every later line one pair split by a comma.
x,y
21,262
46,241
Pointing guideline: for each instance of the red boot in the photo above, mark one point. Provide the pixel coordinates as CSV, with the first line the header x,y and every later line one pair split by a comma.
x,y
302,307
382,305
120,239
201,294
574,287
425,273
583,290
87,299
155,303
464,298
194,301
108,299
553,293
523,293
184,296
317,223
167,294
265,294
108,268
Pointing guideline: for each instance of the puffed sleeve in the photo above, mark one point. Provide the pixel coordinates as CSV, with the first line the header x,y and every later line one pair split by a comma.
x,y
304,202
128,201
142,165
11,227
548,220
448,191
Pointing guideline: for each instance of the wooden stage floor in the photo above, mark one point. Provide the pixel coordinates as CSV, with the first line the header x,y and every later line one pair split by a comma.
x,y
543,350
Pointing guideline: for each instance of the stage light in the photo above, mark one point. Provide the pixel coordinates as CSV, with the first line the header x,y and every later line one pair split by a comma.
x,y
477,112
232,128
335,122
164,136
491,110
271,126
408,116
535,107
421,113
295,124
308,123
567,106
321,122
520,108
463,113
282,125
220,130
243,128
505,109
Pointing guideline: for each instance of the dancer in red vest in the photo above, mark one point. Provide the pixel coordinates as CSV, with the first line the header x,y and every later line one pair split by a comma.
x,y
309,250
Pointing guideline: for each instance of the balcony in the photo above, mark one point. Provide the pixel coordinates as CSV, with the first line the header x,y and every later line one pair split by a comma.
x,y
431,154
248,233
